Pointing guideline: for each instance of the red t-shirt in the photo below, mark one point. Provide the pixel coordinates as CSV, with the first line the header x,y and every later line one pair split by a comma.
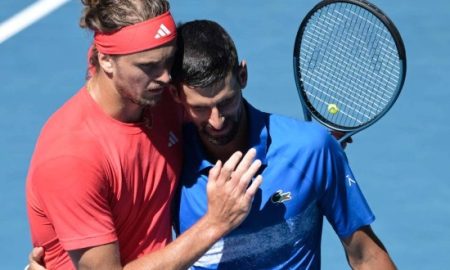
x,y
95,180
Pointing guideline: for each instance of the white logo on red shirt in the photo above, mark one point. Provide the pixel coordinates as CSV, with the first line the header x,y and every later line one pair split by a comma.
x,y
172,139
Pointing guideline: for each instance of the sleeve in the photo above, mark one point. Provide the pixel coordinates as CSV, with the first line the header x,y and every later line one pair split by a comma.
x,y
74,193
341,200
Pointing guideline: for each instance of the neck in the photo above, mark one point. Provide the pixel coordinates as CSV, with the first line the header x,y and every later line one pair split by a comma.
x,y
104,93
239,143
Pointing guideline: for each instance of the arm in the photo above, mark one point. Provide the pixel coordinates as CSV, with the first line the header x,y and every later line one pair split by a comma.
x,y
229,201
346,208
365,251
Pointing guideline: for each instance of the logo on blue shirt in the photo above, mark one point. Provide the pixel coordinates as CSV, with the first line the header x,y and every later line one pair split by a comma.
x,y
280,196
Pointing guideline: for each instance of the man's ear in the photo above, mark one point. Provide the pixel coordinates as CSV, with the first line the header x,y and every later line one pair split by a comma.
x,y
106,62
242,74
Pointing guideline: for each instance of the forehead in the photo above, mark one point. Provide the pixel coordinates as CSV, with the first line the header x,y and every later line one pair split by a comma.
x,y
214,94
152,55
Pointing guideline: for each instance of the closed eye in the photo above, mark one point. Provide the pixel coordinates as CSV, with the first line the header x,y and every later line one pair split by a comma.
x,y
200,109
147,66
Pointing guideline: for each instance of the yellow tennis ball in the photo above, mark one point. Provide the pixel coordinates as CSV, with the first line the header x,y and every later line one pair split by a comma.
x,y
333,108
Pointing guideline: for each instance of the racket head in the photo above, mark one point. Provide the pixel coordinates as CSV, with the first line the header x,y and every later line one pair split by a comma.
x,y
344,48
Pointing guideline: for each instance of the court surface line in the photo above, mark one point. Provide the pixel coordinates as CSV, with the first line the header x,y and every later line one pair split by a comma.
x,y
27,17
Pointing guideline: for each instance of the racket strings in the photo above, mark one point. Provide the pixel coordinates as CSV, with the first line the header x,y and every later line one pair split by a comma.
x,y
346,65
348,58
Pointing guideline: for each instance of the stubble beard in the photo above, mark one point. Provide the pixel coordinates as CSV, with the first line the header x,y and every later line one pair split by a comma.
x,y
226,138
149,101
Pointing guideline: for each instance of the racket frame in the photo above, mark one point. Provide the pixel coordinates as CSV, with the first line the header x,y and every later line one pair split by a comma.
x,y
308,110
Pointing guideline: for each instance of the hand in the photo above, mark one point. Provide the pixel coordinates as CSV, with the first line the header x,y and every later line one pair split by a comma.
x,y
35,259
230,193
340,134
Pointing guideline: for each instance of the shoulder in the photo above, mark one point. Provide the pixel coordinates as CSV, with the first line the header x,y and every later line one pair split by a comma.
x,y
297,133
67,136
68,117
68,151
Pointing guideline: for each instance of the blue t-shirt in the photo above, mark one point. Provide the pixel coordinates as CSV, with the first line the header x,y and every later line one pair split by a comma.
x,y
305,176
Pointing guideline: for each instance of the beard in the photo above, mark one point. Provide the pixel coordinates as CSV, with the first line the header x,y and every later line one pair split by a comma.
x,y
149,100
230,135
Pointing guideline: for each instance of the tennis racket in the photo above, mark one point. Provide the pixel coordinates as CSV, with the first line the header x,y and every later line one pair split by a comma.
x,y
349,65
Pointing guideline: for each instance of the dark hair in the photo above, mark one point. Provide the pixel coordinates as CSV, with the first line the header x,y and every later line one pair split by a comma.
x,y
111,15
205,54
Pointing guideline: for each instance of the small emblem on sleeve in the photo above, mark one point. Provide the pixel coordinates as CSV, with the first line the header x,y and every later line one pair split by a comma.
x,y
280,196
350,180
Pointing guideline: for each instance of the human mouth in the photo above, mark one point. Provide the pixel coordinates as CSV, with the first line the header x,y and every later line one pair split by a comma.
x,y
156,91
219,132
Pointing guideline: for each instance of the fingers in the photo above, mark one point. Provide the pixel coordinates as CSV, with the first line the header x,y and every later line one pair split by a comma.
x,y
237,170
253,188
214,172
35,259
245,164
228,168
247,176
230,189
36,254
239,173
239,180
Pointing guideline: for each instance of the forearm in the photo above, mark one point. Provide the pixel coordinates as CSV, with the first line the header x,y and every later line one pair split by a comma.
x,y
230,192
375,259
184,250
365,251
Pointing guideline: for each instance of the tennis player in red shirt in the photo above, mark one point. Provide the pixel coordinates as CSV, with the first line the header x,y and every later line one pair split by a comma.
x,y
106,164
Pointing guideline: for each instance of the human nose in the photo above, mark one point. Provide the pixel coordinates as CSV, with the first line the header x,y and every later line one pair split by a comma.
x,y
216,120
165,76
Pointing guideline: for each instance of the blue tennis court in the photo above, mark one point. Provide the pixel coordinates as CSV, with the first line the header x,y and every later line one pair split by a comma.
x,y
402,162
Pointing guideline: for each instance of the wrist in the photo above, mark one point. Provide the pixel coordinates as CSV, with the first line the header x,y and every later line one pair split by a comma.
x,y
213,228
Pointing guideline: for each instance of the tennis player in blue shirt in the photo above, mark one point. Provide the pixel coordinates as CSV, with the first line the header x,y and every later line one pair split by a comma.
x,y
306,173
